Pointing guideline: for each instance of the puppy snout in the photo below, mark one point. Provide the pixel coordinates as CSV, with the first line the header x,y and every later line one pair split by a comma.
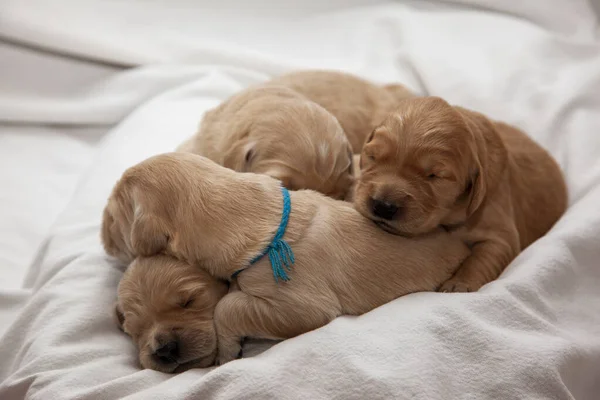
x,y
168,352
384,209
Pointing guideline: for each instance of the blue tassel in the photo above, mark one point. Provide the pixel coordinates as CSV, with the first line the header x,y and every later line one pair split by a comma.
x,y
280,253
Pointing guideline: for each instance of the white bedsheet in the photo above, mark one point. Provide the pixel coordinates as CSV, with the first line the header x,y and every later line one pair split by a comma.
x,y
40,161
534,333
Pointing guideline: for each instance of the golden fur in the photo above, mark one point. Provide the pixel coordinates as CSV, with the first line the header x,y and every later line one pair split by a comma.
x,y
288,128
358,104
431,164
188,207
162,300
275,131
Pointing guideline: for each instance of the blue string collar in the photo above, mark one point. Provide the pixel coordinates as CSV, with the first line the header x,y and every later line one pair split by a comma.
x,y
280,253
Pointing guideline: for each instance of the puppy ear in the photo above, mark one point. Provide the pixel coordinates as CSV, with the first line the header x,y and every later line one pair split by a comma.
x,y
118,315
489,154
370,137
475,190
149,236
282,174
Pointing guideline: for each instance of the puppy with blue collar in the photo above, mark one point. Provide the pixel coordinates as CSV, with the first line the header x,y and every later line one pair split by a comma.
x,y
300,258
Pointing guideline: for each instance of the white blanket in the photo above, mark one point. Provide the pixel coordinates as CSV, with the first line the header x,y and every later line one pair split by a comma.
x,y
534,333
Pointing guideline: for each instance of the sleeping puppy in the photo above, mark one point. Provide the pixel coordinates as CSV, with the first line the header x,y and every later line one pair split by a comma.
x,y
167,307
358,104
338,262
431,164
276,131
288,128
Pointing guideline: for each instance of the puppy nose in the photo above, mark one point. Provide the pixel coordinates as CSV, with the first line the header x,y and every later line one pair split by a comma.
x,y
383,209
168,352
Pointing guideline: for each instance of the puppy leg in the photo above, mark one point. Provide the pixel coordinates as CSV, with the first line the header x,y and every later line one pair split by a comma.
x,y
487,261
240,315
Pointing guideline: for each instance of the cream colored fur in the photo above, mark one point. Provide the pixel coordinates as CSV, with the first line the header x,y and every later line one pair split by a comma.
x,y
484,180
358,104
288,128
218,220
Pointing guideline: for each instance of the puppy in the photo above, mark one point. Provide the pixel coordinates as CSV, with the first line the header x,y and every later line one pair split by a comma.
x,y
431,164
288,128
216,219
358,104
276,131
167,307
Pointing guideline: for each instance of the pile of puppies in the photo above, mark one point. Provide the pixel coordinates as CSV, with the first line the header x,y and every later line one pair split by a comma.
x,y
218,249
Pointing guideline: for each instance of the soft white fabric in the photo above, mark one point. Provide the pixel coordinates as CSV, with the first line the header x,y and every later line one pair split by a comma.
x,y
40,164
534,333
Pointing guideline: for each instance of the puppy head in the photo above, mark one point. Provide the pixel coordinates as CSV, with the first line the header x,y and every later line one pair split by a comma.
x,y
189,207
297,142
167,308
126,230
425,166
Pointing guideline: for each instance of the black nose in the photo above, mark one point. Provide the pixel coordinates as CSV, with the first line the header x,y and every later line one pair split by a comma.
x,y
168,352
383,209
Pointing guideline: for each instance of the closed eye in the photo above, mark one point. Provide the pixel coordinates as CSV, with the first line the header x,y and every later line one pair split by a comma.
x,y
249,156
187,303
370,137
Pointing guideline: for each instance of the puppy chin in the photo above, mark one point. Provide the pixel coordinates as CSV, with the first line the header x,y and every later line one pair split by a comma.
x,y
401,228
175,368
202,362
147,363
389,228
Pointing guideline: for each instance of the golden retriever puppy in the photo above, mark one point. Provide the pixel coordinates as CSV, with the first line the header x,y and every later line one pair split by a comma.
x,y
431,164
167,307
276,131
288,128
358,104
300,258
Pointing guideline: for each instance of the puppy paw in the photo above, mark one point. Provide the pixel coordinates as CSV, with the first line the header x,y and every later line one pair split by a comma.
x,y
458,286
228,352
